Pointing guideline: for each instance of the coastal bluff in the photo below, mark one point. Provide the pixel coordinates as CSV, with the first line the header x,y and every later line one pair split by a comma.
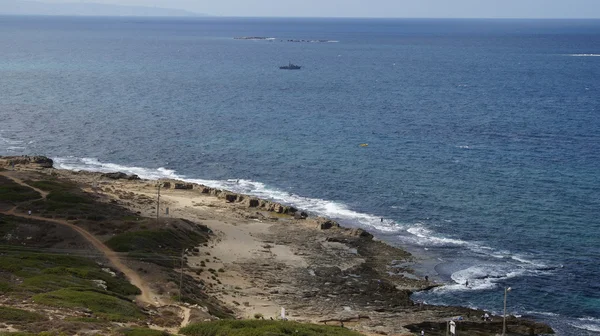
x,y
239,256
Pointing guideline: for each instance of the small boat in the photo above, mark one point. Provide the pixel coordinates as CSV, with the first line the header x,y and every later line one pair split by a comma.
x,y
364,145
290,67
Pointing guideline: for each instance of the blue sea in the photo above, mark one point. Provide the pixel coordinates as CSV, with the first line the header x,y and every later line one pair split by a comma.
x,y
483,154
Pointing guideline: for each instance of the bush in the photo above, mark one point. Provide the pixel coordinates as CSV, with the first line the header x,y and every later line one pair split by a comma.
x,y
105,306
12,192
262,327
13,315
142,332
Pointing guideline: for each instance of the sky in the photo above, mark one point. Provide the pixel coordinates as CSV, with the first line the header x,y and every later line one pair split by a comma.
x,y
376,8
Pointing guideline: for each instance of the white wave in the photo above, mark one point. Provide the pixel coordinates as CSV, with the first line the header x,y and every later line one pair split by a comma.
x,y
330,209
588,323
464,147
480,277
416,234
11,145
8,141
533,312
584,55
427,237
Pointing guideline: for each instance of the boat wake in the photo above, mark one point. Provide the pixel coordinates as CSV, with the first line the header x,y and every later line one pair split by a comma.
x,y
584,55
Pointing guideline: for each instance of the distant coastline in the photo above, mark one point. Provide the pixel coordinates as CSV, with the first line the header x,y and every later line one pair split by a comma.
x,y
22,7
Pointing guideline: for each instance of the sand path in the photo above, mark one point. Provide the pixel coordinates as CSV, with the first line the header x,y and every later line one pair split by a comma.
x,y
147,296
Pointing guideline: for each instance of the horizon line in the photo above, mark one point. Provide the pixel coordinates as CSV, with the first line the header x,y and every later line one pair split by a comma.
x,y
194,15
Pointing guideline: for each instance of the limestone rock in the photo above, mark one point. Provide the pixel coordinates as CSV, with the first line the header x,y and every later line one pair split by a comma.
x,y
326,224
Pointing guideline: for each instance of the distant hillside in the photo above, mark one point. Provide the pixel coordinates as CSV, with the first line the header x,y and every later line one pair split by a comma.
x,y
21,7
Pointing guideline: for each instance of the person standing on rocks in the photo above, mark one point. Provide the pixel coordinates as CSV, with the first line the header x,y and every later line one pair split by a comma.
x,y
422,332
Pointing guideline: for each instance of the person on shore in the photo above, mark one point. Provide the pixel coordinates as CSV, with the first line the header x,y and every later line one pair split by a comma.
x,y
29,212
427,278
381,219
486,317
467,283
422,332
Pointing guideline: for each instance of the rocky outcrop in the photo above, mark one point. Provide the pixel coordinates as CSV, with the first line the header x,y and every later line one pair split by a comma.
x,y
115,176
250,202
184,186
360,233
43,161
514,326
39,161
326,224
300,215
120,176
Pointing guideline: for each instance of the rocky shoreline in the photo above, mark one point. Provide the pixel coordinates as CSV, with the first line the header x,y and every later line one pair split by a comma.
x,y
271,255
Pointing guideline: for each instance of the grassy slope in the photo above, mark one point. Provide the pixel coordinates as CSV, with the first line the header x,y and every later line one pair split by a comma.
x,y
66,281
13,193
261,328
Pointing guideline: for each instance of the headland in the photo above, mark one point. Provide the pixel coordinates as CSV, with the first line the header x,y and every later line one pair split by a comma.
x,y
187,253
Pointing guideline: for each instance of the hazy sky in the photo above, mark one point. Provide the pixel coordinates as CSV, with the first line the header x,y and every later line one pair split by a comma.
x,y
377,8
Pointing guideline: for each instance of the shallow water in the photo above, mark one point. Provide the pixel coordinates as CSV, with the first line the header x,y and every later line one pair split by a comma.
x,y
482,135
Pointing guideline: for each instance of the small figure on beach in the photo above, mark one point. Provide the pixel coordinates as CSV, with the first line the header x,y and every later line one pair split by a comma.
x,y
467,283
486,317
427,278
422,332
29,212
382,219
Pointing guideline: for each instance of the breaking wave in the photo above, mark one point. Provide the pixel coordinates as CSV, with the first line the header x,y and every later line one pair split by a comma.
x,y
587,323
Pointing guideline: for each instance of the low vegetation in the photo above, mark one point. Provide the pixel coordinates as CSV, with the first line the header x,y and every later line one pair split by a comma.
x,y
102,305
261,328
162,247
11,192
142,332
13,315
66,281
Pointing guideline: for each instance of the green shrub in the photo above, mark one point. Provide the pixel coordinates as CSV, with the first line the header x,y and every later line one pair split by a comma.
x,y
61,196
263,327
103,305
142,332
47,185
13,192
13,315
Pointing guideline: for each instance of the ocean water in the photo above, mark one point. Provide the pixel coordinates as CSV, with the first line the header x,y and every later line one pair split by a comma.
x,y
483,153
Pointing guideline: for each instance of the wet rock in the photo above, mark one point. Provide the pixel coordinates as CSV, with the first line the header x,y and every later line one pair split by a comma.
x,y
115,176
231,198
326,224
361,234
184,186
300,215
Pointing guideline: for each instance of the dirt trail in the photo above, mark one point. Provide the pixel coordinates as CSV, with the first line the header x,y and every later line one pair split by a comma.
x,y
147,296
21,182
186,316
